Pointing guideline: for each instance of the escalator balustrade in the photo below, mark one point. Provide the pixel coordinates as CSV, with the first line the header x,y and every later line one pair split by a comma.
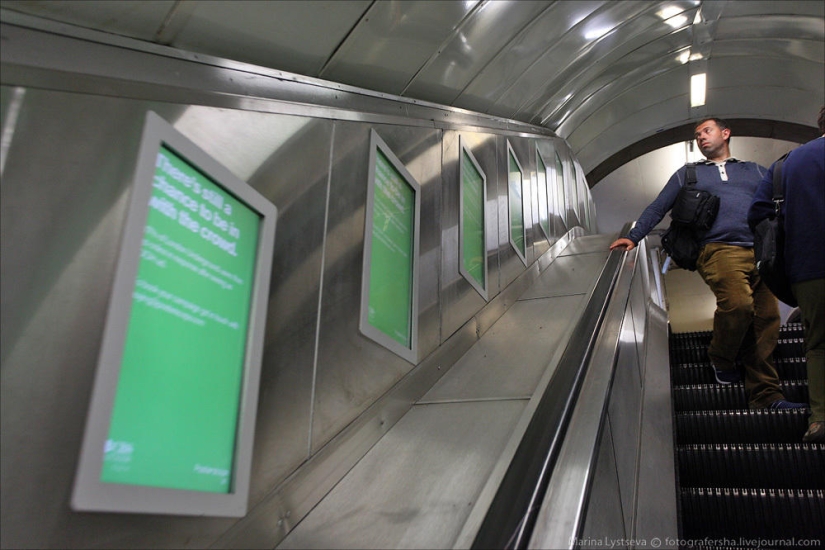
x,y
744,474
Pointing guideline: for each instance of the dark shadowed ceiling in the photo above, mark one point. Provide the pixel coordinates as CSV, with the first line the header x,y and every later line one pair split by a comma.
x,y
611,77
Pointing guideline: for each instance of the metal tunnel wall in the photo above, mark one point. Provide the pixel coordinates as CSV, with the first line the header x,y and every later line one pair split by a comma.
x,y
72,113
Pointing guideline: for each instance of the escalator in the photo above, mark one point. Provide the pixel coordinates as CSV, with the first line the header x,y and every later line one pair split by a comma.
x,y
745,478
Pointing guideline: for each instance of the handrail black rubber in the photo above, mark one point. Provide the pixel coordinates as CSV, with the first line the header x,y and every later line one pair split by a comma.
x,y
512,514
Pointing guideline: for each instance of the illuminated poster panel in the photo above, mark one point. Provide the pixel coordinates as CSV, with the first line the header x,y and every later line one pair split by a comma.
x,y
389,293
515,186
172,416
544,192
473,198
560,194
574,190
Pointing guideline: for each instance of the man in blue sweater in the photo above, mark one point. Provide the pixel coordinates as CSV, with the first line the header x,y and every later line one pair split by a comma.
x,y
747,314
803,187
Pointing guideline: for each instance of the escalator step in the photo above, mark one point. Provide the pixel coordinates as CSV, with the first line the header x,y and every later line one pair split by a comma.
x,y
785,347
702,338
700,373
782,517
742,426
704,397
772,466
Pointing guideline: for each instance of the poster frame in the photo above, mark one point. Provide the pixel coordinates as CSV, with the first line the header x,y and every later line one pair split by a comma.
x,y
89,492
480,288
367,329
522,255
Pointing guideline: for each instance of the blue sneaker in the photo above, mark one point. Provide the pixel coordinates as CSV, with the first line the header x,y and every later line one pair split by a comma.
x,y
726,377
781,405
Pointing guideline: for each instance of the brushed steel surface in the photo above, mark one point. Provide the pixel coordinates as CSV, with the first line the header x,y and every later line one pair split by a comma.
x,y
507,363
510,264
287,158
639,296
353,370
589,244
297,36
656,508
637,43
513,61
36,54
479,39
548,148
63,206
392,42
604,521
538,182
588,39
267,524
564,506
526,155
419,482
624,411
295,176
575,275
459,300
64,190
143,21
559,64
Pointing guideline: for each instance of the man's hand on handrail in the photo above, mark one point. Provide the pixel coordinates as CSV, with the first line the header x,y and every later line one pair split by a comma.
x,y
623,241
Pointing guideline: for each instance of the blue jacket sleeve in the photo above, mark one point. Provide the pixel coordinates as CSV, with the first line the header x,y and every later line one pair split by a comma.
x,y
762,206
656,210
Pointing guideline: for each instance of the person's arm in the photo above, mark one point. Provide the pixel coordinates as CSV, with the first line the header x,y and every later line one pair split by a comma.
x,y
762,206
654,213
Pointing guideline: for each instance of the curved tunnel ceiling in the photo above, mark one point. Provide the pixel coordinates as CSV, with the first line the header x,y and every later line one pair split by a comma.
x,y
612,78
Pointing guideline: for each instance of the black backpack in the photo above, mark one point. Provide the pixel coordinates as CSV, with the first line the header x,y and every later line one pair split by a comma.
x,y
769,244
693,213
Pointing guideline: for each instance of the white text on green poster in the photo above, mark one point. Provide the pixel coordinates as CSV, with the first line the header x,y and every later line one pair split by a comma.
x,y
175,413
391,256
516,205
472,221
544,193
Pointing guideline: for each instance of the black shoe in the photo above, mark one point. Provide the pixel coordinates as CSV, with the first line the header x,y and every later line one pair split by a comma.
x,y
726,377
781,404
815,433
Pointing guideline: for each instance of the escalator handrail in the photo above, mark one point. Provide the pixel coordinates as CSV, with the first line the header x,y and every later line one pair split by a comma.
x,y
511,516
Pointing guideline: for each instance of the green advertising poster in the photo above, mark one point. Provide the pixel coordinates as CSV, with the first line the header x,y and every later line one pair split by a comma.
x,y
516,205
472,220
574,190
544,217
175,413
391,255
560,194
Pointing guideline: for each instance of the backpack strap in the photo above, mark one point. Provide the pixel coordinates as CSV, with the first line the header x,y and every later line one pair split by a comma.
x,y
690,173
778,196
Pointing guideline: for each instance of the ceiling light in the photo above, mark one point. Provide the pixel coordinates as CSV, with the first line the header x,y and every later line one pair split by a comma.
x,y
596,33
669,11
697,90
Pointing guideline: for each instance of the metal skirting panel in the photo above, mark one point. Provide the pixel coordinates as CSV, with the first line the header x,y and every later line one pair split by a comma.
x,y
604,524
415,488
429,476
656,513
589,244
576,275
624,412
506,363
